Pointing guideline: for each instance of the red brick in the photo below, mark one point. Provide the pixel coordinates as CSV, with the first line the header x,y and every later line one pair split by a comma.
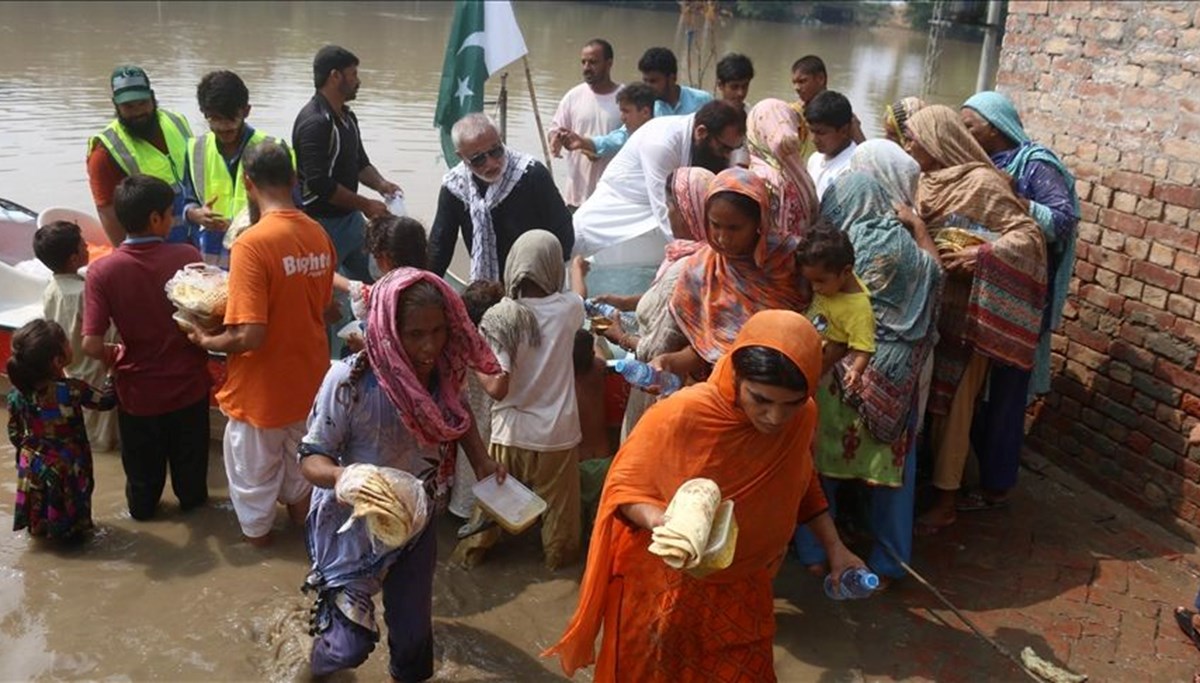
x,y
1172,236
1133,183
1180,195
1101,297
1187,264
1138,357
1157,276
1086,272
1190,405
1187,329
1139,443
1183,378
1126,223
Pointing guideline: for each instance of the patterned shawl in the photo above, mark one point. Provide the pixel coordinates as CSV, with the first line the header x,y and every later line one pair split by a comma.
x,y
779,147
890,166
460,181
536,257
905,285
716,294
897,114
432,420
999,314
999,111
688,188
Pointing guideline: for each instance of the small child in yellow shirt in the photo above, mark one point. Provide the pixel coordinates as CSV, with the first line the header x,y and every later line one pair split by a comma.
x,y
841,306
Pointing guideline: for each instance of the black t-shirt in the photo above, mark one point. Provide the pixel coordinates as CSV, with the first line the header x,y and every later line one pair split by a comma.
x,y
329,152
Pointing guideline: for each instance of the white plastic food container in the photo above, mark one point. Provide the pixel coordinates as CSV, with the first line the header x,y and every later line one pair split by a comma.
x,y
512,503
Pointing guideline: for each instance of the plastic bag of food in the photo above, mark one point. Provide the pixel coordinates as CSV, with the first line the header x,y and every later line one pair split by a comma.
x,y
199,292
392,502
240,223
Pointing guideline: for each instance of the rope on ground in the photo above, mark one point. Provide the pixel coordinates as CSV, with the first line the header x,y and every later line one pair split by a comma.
x,y
1045,670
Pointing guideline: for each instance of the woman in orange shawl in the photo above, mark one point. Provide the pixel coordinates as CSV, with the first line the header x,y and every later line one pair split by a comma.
x,y
748,428
746,267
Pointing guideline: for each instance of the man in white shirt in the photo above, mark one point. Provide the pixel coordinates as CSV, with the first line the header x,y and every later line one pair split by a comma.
x,y
627,215
831,122
588,109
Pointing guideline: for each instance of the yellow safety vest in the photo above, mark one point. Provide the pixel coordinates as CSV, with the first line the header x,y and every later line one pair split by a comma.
x,y
135,155
210,175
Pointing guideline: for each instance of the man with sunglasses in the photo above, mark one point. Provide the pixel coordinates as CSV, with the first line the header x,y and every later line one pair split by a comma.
x,y
492,197
626,217
331,161
214,188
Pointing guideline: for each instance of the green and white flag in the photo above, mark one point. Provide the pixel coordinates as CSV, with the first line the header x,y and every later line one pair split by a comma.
x,y
484,38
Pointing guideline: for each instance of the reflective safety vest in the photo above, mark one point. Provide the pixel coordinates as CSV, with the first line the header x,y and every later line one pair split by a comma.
x,y
135,155
210,174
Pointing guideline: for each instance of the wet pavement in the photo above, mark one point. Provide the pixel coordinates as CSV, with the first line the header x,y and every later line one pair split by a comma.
x,y
1086,583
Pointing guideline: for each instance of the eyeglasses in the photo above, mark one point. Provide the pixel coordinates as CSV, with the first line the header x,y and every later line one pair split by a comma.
x,y
221,125
477,160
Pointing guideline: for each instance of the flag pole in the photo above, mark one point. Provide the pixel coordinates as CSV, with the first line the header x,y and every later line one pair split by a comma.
x,y
537,115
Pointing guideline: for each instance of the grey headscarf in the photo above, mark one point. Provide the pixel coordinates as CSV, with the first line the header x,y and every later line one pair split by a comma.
x,y
536,256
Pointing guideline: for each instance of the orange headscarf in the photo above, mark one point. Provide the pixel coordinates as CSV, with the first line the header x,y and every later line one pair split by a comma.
x,y
716,293
700,432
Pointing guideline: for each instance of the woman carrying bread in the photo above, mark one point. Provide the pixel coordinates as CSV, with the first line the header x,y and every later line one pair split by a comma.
x,y
749,429
398,404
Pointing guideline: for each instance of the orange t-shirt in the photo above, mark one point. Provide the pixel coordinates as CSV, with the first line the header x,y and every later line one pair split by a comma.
x,y
280,275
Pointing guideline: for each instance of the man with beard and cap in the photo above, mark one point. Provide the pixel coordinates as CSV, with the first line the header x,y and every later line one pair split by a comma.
x,y
627,215
280,285
588,109
493,196
212,187
143,139
331,161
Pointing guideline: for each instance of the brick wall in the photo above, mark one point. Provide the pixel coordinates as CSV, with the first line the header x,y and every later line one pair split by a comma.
x,y
1113,88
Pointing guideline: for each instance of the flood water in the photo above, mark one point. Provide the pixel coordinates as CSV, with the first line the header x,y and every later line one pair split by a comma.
x,y
181,598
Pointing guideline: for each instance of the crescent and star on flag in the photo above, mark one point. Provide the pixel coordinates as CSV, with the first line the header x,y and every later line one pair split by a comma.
x,y
464,84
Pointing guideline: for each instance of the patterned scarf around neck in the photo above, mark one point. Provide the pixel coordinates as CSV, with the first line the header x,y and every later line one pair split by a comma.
x,y
460,181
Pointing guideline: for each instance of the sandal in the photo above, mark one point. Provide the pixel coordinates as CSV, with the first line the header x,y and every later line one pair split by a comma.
x,y
1183,617
975,502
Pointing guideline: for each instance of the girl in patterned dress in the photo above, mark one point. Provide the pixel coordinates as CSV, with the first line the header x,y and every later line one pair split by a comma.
x,y
45,425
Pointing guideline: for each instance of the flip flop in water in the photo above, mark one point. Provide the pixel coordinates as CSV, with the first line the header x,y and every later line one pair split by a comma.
x,y
974,502
1183,617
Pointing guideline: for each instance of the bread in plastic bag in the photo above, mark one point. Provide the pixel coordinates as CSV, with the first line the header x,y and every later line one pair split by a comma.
x,y
200,292
392,502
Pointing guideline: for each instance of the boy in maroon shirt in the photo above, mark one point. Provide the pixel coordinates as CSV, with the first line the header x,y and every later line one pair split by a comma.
x,y
162,380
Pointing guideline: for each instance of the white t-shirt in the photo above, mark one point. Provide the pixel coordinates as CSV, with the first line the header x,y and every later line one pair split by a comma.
x,y
824,170
583,111
540,413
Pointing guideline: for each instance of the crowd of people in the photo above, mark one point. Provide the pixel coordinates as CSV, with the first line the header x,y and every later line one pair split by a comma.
x,y
823,298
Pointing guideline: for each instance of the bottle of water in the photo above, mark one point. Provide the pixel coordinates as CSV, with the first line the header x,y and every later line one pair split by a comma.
x,y
628,319
595,308
395,204
641,375
854,584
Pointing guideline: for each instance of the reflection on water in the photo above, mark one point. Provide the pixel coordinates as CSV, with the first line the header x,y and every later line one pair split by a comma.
x,y
181,598
55,59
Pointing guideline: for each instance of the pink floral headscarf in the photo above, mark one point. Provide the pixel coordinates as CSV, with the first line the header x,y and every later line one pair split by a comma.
x,y
431,420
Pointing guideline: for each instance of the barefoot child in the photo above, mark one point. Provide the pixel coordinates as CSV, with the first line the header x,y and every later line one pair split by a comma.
x,y
45,425
61,247
841,307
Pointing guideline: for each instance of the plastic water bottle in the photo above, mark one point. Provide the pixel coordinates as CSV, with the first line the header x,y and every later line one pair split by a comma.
x,y
595,308
854,584
395,204
641,375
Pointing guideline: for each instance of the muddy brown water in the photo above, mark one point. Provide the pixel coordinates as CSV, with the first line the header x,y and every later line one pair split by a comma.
x,y
182,598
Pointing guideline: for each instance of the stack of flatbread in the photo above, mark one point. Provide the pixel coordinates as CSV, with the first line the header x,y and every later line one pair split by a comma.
x,y
683,537
391,502
199,292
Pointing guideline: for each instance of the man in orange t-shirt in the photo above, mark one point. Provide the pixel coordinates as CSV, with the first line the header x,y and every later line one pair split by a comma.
x,y
280,285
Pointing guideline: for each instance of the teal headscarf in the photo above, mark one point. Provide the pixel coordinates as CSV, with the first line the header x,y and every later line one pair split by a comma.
x,y
999,111
905,286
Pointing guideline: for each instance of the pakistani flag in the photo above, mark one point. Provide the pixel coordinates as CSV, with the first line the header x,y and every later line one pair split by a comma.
x,y
483,39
